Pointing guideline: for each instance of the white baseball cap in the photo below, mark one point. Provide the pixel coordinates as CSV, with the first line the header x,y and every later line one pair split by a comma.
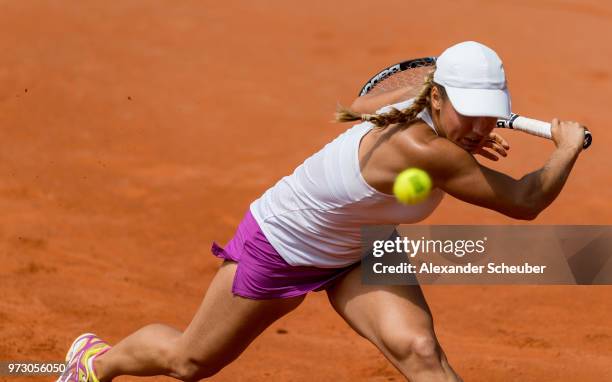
x,y
474,79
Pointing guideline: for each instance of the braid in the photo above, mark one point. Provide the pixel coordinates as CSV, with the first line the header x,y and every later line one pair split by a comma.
x,y
406,116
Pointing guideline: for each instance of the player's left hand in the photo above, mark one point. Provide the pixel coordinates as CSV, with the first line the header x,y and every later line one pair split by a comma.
x,y
494,147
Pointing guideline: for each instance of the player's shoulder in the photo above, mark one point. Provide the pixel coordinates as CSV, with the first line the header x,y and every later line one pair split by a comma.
x,y
421,146
418,136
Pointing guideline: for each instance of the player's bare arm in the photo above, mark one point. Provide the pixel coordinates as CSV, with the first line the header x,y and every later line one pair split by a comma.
x,y
454,170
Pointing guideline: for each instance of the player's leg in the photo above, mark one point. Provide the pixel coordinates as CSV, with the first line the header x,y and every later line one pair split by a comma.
x,y
397,320
222,328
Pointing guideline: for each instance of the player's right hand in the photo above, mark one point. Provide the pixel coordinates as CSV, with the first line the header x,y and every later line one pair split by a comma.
x,y
567,134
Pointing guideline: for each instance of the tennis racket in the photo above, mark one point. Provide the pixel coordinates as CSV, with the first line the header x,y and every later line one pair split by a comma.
x,y
410,74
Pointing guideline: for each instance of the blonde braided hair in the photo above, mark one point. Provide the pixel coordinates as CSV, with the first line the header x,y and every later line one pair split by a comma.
x,y
406,116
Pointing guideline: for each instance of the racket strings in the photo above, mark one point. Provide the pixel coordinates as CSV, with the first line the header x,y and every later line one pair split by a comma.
x,y
412,80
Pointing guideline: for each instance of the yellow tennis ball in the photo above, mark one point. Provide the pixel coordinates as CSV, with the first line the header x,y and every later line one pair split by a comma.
x,y
412,186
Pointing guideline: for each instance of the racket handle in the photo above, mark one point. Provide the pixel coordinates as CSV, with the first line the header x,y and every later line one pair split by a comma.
x,y
535,127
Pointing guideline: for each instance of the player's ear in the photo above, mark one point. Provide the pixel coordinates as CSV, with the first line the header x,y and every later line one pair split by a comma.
x,y
436,98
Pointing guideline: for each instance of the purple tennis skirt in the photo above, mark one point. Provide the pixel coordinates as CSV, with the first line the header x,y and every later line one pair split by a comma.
x,y
262,273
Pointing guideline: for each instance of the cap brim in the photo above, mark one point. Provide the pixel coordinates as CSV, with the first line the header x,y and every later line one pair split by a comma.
x,y
480,102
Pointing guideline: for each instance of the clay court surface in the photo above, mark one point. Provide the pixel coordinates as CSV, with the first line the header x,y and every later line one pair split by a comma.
x,y
135,133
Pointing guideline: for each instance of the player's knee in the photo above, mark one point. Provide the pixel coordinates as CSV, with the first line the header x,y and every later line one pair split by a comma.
x,y
191,371
425,346
416,348
185,367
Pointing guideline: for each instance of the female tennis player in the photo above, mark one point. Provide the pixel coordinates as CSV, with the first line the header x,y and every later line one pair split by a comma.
x,y
303,234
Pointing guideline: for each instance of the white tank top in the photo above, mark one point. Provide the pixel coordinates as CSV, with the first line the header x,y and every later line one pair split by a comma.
x,y
314,216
